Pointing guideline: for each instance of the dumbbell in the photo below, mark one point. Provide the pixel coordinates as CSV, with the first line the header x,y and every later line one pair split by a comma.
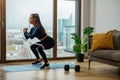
x,y
76,68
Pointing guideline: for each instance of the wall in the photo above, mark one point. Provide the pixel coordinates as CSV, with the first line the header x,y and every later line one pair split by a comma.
x,y
107,15
85,18
85,12
103,15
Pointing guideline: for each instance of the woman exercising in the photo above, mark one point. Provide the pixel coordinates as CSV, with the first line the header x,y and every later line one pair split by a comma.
x,y
46,42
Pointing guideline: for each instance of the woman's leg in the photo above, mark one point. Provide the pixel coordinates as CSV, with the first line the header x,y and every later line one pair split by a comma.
x,y
46,44
34,50
46,64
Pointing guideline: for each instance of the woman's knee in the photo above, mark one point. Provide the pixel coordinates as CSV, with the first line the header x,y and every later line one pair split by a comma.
x,y
33,46
40,48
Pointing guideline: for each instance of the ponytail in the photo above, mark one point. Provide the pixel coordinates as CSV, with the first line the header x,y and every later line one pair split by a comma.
x,y
38,22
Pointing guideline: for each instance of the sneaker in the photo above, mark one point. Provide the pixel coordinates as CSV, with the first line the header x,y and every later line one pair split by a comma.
x,y
36,62
45,66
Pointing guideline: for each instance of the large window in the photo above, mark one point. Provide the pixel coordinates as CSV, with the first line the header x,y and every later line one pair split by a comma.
x,y
17,14
60,18
65,26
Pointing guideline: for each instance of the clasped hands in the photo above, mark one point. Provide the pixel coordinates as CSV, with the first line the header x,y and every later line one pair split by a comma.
x,y
25,30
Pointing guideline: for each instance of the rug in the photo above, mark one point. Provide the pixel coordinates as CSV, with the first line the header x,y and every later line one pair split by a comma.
x,y
30,67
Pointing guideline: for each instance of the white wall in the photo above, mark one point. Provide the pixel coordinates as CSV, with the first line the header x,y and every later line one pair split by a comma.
x,y
103,15
85,18
85,12
107,15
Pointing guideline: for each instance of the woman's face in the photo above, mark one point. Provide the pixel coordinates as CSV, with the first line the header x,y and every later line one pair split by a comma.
x,y
32,20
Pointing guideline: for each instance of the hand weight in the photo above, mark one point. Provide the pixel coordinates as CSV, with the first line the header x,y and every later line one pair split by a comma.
x,y
76,68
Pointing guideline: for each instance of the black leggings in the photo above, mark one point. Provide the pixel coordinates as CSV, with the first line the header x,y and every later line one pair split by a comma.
x,y
47,43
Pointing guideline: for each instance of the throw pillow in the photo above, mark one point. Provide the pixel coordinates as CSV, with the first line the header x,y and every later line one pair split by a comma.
x,y
116,39
102,41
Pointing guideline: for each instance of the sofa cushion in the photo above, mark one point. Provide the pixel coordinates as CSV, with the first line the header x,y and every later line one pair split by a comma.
x,y
116,39
106,54
102,41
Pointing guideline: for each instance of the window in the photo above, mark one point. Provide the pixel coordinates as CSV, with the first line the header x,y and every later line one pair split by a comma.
x,y
17,14
62,19
65,26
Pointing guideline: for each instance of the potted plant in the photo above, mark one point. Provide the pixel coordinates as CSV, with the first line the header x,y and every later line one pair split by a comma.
x,y
86,32
80,47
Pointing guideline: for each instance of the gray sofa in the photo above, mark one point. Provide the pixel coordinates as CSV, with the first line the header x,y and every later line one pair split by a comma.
x,y
111,57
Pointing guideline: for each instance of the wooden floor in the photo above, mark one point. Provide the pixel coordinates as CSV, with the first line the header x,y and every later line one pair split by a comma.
x,y
98,71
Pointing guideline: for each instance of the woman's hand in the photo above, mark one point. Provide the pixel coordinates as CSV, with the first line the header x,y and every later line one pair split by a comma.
x,y
25,30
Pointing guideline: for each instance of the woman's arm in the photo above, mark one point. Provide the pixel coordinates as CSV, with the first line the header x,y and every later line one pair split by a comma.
x,y
32,33
25,30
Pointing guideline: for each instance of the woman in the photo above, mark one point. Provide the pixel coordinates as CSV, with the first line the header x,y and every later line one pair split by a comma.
x,y
46,42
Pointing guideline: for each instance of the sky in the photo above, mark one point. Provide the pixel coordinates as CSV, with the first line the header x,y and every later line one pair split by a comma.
x,y
18,11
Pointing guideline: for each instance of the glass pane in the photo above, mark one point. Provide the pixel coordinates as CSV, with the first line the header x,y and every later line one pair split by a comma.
x,y
17,15
66,26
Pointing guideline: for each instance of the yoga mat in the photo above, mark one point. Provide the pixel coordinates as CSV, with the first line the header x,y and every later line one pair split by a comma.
x,y
30,67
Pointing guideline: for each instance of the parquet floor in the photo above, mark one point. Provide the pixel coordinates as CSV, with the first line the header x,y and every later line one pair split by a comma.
x,y
98,71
